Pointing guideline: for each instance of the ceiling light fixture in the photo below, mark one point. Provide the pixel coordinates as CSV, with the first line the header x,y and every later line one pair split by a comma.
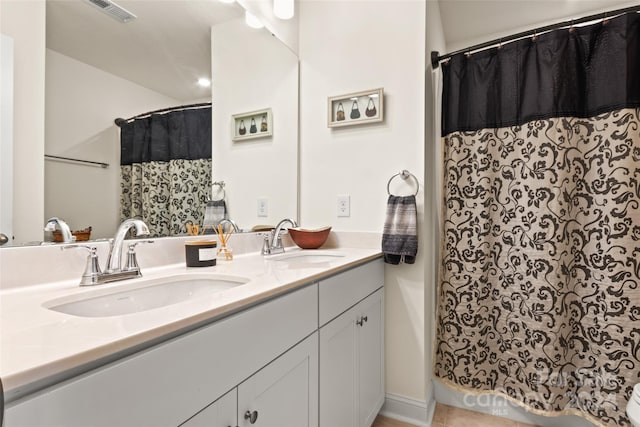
x,y
283,9
252,21
204,82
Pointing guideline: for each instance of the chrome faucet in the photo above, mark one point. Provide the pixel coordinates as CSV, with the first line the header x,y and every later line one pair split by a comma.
x,y
231,223
113,272
67,237
115,252
273,242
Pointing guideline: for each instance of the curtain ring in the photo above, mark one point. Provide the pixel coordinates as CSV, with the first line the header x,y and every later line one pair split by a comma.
x,y
571,27
535,35
605,21
500,43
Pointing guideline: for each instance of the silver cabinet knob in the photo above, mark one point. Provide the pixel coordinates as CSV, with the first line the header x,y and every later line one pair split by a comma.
x,y
251,416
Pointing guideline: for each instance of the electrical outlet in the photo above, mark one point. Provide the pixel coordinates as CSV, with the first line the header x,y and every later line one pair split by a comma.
x,y
344,205
263,207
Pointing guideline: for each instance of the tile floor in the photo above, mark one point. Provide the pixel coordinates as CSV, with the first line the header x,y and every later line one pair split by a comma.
x,y
448,416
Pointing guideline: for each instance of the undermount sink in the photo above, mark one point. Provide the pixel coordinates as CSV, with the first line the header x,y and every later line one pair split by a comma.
x,y
311,256
143,296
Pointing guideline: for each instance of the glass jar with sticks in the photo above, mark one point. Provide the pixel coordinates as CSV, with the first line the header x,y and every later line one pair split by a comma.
x,y
224,252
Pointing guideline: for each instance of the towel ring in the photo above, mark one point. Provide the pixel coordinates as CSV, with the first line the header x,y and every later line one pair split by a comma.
x,y
221,185
404,174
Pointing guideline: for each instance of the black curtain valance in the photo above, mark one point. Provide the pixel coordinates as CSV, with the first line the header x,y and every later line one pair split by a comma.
x,y
578,72
182,134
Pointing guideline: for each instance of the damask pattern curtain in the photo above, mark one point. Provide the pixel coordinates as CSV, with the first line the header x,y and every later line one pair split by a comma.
x,y
539,293
166,169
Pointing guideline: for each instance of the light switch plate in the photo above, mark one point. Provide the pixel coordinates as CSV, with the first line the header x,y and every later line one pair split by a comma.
x,y
263,207
344,205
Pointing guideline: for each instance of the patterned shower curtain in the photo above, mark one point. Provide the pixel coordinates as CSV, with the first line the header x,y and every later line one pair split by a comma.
x,y
166,169
539,293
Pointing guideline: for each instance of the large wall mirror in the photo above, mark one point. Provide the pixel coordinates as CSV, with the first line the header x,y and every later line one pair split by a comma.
x,y
98,69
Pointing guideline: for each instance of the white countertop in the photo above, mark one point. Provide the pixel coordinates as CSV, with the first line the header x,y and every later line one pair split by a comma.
x,y
39,346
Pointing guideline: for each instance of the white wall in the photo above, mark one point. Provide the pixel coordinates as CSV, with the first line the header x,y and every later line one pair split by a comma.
x,y
252,70
468,22
24,21
81,104
433,157
6,136
350,46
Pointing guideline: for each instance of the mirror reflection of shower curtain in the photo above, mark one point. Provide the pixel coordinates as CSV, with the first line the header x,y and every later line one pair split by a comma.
x,y
166,169
539,288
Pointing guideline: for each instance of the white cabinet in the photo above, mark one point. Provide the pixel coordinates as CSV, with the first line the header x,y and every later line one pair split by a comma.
x,y
352,361
268,365
285,392
370,361
167,384
282,394
223,413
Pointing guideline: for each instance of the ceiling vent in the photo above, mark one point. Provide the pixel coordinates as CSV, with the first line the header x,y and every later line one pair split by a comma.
x,y
118,13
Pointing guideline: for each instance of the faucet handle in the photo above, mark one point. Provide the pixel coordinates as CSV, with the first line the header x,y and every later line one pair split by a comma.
x,y
266,242
132,260
92,268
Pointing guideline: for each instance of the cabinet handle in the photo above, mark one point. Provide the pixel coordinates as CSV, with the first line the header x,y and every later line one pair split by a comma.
x,y
251,416
361,321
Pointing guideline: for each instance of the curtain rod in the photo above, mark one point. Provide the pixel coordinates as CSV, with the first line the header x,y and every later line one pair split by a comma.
x,y
69,159
436,58
120,121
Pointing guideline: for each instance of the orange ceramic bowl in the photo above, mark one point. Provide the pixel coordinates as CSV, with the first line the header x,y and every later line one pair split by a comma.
x,y
309,239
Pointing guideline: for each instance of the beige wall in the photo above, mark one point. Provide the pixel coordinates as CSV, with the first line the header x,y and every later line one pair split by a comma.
x,y
350,46
24,21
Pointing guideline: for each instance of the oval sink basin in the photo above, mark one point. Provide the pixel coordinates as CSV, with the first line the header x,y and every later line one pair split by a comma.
x,y
145,296
308,257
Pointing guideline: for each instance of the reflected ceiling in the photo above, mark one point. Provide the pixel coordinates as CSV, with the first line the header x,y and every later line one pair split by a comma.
x,y
173,35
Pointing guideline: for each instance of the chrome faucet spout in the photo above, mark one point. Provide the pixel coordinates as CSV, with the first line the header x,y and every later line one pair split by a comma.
x,y
114,261
231,222
67,237
275,246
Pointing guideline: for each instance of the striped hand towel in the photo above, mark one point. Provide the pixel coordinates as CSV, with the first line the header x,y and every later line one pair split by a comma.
x,y
400,236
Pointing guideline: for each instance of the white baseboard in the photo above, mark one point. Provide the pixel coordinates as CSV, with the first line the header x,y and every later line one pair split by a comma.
x,y
408,410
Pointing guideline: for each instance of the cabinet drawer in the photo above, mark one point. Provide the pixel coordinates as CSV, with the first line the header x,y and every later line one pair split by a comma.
x,y
168,383
338,293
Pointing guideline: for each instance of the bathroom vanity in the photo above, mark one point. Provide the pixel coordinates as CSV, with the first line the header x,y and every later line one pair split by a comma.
x,y
299,344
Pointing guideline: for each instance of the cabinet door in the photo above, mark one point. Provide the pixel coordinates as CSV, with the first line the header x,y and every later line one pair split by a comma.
x,y
352,365
285,392
370,358
338,379
221,413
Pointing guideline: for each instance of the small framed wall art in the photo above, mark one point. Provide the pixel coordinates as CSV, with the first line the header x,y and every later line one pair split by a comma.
x,y
356,108
254,124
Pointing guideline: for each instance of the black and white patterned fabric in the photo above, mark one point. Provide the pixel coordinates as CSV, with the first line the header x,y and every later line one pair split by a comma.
x,y
166,169
539,290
